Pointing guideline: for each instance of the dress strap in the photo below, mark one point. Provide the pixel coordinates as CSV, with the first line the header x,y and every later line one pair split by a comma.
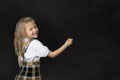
x,y
25,48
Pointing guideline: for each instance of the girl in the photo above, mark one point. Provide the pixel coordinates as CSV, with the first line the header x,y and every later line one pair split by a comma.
x,y
29,50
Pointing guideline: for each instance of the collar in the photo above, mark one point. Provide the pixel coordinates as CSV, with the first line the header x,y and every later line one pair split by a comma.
x,y
26,39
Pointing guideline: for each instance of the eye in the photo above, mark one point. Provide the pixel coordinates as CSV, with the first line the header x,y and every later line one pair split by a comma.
x,y
30,29
35,26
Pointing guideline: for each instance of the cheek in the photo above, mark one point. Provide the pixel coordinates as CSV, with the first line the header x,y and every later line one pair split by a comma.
x,y
37,30
28,33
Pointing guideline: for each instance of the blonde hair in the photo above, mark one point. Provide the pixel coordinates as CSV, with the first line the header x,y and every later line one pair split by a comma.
x,y
20,34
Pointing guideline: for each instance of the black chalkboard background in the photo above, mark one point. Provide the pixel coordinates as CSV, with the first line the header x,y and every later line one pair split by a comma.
x,y
93,24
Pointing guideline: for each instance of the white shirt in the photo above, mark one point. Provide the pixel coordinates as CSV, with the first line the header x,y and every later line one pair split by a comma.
x,y
34,51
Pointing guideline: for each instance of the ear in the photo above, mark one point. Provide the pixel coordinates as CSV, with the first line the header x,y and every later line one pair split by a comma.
x,y
25,34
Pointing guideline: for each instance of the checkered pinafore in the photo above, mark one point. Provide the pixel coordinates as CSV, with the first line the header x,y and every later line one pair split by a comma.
x,y
29,71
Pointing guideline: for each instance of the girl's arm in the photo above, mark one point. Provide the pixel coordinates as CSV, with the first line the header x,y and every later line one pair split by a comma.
x,y
58,51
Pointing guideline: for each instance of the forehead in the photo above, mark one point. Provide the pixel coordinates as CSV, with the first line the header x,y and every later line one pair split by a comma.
x,y
30,24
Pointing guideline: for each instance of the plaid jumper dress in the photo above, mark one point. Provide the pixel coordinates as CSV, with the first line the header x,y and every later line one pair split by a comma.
x,y
29,70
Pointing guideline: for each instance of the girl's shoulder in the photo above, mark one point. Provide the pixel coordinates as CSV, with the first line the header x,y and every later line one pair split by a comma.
x,y
35,42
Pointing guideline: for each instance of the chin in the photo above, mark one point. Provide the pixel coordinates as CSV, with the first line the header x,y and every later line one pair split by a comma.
x,y
35,36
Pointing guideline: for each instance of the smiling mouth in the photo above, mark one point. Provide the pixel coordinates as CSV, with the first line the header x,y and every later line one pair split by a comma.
x,y
35,34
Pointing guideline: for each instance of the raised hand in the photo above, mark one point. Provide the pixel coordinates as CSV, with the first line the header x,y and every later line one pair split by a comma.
x,y
68,42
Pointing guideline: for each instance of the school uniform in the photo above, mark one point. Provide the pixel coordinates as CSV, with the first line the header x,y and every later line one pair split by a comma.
x,y
30,69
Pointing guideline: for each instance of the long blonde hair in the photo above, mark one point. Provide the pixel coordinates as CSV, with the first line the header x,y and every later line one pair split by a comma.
x,y
20,34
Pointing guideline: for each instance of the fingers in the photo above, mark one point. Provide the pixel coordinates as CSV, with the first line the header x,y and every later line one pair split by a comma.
x,y
70,39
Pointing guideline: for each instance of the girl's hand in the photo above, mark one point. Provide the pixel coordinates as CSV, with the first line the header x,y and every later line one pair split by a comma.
x,y
68,42
58,51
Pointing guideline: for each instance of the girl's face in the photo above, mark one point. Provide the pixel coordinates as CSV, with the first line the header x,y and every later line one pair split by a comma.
x,y
31,30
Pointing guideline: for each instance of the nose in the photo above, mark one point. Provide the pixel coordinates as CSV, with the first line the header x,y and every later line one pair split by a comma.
x,y
34,29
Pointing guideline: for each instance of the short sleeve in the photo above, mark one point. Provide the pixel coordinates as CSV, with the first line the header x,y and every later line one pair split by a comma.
x,y
40,49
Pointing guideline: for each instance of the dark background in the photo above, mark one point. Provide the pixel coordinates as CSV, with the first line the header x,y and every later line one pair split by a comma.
x,y
93,24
